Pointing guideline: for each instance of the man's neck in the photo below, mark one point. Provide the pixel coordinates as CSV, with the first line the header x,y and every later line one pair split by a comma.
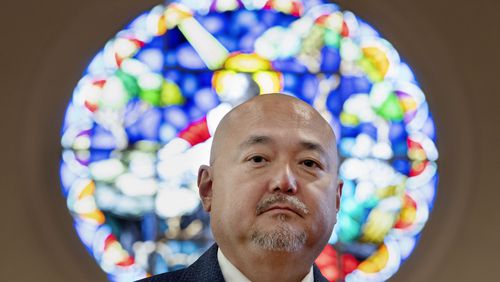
x,y
260,265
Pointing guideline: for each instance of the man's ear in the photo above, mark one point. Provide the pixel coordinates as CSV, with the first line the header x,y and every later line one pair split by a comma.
x,y
339,193
205,186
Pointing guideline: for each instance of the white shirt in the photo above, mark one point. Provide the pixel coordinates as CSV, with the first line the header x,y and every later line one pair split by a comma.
x,y
232,274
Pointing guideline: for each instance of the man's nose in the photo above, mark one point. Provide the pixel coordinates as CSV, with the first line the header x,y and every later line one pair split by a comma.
x,y
284,180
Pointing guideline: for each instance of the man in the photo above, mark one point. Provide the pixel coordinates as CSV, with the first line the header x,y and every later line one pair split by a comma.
x,y
272,193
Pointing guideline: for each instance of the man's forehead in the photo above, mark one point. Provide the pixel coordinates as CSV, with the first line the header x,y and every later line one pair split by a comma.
x,y
319,145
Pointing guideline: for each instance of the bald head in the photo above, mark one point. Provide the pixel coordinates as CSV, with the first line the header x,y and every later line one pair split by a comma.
x,y
272,188
285,111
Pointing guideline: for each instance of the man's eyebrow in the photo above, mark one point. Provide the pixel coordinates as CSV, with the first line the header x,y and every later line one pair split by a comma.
x,y
263,139
313,146
256,139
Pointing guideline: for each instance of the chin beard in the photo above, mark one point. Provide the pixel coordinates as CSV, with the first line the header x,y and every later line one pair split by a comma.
x,y
280,239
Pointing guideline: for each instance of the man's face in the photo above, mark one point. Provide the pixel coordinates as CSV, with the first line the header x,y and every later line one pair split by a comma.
x,y
273,182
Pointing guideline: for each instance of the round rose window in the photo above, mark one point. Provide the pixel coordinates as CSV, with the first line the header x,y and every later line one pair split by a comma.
x,y
141,118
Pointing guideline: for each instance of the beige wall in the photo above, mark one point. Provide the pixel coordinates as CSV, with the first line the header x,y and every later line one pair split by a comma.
x,y
452,45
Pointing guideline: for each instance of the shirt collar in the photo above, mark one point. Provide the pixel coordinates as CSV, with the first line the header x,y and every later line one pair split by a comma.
x,y
233,274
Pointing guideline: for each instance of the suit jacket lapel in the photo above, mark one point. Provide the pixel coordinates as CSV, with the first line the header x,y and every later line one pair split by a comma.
x,y
206,268
318,276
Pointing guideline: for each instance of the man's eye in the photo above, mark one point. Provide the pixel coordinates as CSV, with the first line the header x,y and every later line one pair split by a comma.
x,y
257,159
310,163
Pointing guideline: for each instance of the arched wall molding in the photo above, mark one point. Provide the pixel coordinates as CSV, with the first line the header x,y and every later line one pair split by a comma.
x,y
82,36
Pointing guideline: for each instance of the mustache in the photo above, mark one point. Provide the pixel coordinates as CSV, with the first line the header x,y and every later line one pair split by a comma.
x,y
292,201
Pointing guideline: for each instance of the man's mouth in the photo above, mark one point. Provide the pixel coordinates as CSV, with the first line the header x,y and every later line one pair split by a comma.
x,y
283,203
281,208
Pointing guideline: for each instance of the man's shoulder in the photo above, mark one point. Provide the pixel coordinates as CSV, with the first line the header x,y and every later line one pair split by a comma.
x,y
206,268
167,276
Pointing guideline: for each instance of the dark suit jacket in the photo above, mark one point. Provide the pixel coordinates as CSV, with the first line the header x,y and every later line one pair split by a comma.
x,y
207,268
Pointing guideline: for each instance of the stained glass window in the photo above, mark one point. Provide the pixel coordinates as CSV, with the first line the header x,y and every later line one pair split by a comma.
x,y
141,118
